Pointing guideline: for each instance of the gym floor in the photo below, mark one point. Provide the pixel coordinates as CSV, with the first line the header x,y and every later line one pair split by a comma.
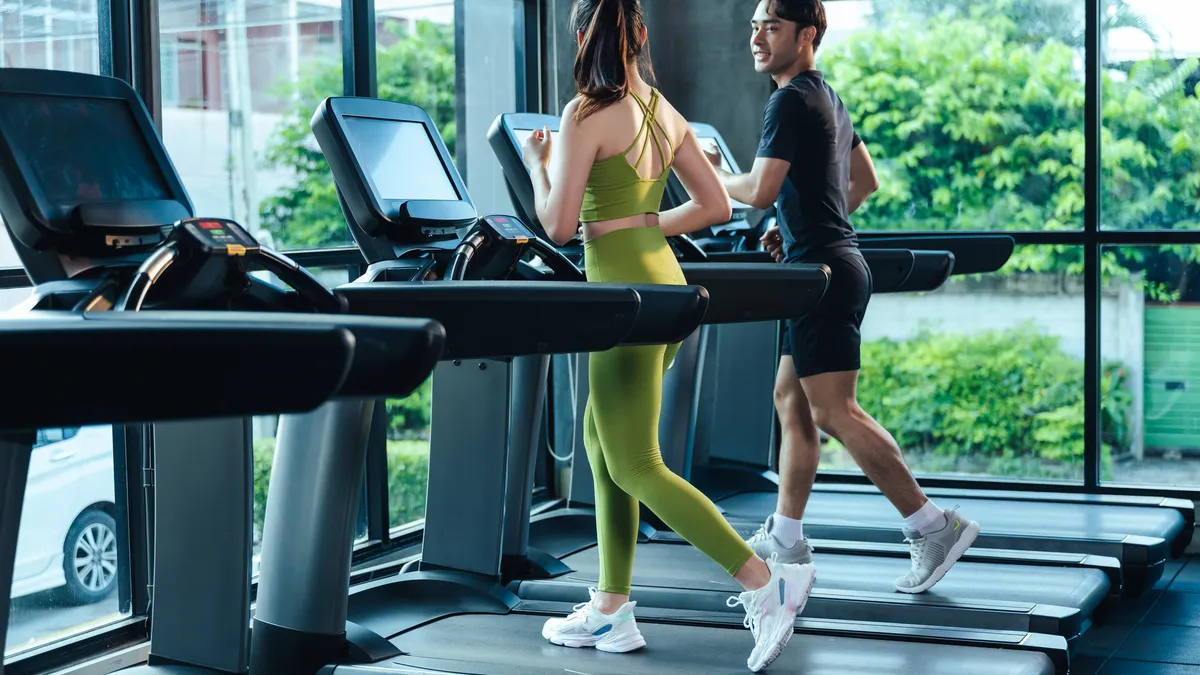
x,y
1157,634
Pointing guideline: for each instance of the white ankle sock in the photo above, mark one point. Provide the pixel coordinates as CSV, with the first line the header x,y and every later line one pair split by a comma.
x,y
929,518
787,530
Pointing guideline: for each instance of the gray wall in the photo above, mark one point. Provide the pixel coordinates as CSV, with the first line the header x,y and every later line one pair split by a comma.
x,y
487,91
701,54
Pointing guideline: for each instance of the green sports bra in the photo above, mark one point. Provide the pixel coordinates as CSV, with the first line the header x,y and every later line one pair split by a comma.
x,y
615,189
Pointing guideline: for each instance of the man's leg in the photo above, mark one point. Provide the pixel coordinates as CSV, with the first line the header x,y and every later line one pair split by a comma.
x,y
799,454
833,398
938,538
799,442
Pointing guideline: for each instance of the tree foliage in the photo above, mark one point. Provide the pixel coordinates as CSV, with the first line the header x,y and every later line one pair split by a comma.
x,y
417,69
976,116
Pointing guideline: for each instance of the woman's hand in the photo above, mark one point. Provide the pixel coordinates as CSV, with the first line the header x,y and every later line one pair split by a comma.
x,y
536,149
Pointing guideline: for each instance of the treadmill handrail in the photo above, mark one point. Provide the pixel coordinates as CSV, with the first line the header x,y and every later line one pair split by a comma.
x,y
306,363
755,292
537,317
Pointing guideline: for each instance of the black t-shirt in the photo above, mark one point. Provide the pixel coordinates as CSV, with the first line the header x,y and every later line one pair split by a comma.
x,y
806,124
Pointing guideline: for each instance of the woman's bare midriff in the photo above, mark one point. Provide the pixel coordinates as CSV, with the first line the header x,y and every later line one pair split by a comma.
x,y
602,227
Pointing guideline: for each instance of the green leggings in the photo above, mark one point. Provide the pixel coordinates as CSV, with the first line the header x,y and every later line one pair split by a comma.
x,y
621,427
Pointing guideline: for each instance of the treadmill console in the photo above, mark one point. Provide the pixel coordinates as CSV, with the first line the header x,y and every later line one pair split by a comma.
x,y
117,195
506,228
219,236
406,189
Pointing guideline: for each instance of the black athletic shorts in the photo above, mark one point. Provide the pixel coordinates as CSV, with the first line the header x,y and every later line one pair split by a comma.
x,y
827,340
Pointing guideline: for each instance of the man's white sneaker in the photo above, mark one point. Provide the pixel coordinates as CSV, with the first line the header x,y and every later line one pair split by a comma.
x,y
766,545
771,610
934,554
588,627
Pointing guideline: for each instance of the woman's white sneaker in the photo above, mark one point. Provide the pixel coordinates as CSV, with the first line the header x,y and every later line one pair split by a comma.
x,y
589,627
771,610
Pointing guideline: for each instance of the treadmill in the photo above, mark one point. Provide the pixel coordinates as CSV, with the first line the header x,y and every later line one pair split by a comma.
x,y
453,615
1050,592
1140,532
92,209
203,361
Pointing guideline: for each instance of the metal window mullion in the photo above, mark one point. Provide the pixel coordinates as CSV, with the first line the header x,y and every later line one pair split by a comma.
x,y
358,48
1093,122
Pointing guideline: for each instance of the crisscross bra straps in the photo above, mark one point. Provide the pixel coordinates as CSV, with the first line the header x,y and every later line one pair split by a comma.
x,y
615,189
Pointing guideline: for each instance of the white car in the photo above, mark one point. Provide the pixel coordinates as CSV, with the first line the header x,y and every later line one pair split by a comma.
x,y
68,536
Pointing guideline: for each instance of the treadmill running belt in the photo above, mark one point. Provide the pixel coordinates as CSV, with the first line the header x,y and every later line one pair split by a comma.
x,y
676,566
513,645
1028,518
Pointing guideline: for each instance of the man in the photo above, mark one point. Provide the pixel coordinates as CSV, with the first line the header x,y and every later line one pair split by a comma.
x,y
816,171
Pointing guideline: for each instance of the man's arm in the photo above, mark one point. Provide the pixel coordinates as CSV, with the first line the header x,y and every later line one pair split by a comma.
x,y
863,179
761,186
783,124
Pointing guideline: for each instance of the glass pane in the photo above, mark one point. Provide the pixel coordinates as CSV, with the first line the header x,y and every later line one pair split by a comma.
x,y
983,377
52,34
415,59
415,64
65,578
408,455
241,80
1150,351
973,111
1151,141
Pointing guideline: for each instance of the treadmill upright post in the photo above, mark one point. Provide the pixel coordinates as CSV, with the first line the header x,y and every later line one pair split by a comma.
x,y
308,538
15,449
525,424
203,472
464,511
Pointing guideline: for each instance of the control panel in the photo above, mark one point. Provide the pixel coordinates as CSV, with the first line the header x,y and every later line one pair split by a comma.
x,y
219,236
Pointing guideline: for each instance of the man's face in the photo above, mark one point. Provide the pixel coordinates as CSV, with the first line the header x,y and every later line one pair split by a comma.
x,y
775,43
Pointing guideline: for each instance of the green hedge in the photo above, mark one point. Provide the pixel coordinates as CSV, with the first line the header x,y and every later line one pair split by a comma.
x,y
1006,402
408,475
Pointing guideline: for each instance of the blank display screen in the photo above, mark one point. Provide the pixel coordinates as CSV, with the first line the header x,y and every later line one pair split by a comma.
x,y
400,159
82,149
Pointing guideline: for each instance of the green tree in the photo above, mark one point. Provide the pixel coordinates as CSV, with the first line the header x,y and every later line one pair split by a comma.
x,y
418,69
976,126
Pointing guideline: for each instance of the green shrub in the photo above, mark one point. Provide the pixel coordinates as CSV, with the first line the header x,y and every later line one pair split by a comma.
x,y
1008,401
264,455
410,417
408,477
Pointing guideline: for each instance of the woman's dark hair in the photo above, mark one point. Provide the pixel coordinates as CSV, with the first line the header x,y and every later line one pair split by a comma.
x,y
804,13
612,37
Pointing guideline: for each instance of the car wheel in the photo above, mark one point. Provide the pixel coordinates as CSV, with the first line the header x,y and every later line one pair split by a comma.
x,y
90,560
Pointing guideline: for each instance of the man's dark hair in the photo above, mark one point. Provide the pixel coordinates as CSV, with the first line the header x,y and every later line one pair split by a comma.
x,y
804,13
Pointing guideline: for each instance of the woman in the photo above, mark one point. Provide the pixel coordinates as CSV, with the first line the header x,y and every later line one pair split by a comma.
x,y
618,141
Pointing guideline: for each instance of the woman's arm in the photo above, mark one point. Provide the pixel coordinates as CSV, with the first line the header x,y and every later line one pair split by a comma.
x,y
709,204
560,177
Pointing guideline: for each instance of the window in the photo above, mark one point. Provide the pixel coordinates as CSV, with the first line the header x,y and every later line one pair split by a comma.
x,y
241,79
973,111
984,376
1150,323
52,34
66,571
1151,143
415,63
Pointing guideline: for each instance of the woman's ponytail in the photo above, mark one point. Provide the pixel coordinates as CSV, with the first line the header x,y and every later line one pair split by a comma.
x,y
612,37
